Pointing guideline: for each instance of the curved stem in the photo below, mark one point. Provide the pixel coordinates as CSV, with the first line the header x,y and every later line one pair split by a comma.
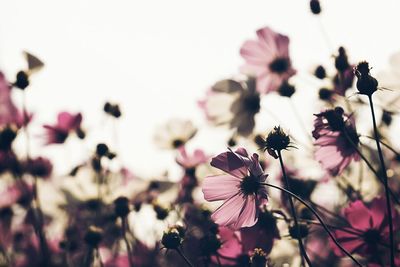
x,y
384,144
303,252
385,182
319,219
184,257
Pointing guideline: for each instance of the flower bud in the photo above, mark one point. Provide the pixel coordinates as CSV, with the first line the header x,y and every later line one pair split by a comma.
x,y
121,207
171,238
366,84
315,7
320,72
276,140
22,80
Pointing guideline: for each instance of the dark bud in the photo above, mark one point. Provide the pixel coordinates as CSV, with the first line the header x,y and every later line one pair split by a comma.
x,y
171,238
112,110
366,84
107,107
111,155
325,94
276,140
302,232
341,61
101,150
315,7
232,141
7,136
387,117
258,258
161,212
121,207
320,72
93,236
22,80
80,133
286,89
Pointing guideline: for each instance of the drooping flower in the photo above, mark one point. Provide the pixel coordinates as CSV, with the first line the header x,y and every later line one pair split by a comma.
x,y
241,188
174,134
267,59
343,79
368,233
336,136
67,123
233,103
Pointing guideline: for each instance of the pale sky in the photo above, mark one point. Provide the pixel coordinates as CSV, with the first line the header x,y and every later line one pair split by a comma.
x,y
157,58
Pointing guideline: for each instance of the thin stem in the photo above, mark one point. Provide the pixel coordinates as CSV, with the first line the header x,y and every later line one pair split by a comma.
x,y
184,257
303,252
384,144
385,180
319,219
128,246
368,164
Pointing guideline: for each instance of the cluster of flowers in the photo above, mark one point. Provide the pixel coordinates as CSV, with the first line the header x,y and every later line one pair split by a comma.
x,y
272,212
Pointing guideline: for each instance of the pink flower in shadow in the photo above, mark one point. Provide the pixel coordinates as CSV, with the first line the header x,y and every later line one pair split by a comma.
x,y
267,59
368,234
66,124
240,188
336,136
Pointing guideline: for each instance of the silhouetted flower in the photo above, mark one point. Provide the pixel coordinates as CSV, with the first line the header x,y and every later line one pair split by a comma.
x,y
267,59
174,134
240,188
233,103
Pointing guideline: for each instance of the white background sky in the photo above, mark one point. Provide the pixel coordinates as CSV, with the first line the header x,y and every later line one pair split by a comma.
x,y
157,58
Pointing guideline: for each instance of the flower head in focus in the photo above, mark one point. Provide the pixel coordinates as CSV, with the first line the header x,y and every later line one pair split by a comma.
x,y
276,141
174,134
67,123
368,231
336,138
267,59
241,188
233,103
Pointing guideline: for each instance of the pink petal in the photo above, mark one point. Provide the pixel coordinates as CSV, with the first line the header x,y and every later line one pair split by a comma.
x,y
220,187
231,163
228,213
358,215
248,214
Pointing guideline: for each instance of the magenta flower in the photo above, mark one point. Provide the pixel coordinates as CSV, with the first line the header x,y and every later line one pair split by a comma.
x,y
335,135
66,124
268,60
190,161
368,234
241,188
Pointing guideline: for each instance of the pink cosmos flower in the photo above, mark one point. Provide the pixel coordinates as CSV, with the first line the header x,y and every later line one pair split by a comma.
x,y
369,229
190,161
66,123
240,188
267,59
333,131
